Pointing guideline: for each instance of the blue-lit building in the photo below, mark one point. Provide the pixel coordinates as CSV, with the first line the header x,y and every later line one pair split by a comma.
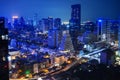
x,y
54,38
104,29
107,30
75,22
46,24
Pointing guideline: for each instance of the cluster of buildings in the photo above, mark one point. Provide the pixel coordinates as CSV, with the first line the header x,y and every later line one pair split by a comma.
x,y
88,38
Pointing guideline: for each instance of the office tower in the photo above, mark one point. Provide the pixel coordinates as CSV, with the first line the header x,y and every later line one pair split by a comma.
x,y
57,23
75,22
54,38
104,30
50,23
75,15
3,50
46,24
66,42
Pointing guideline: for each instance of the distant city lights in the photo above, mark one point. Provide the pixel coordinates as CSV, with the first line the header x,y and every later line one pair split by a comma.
x,y
9,58
99,20
65,22
68,26
39,78
14,17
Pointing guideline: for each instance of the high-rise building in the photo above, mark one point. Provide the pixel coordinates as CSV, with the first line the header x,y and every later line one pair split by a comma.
x,y
57,23
104,29
50,23
54,38
46,24
107,30
75,15
3,50
66,42
75,22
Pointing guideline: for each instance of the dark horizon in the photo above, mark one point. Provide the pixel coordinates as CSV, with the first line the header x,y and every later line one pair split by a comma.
x,y
90,10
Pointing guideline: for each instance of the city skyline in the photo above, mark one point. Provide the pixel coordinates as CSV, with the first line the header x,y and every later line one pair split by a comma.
x,y
90,10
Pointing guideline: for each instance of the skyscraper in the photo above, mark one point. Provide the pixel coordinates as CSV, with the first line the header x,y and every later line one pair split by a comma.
x,y
66,42
104,29
46,24
54,38
75,22
75,14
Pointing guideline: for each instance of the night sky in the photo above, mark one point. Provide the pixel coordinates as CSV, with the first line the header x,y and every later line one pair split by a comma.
x,y
91,9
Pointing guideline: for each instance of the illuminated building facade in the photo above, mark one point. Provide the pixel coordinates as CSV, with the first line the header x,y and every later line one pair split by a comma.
x,y
75,22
